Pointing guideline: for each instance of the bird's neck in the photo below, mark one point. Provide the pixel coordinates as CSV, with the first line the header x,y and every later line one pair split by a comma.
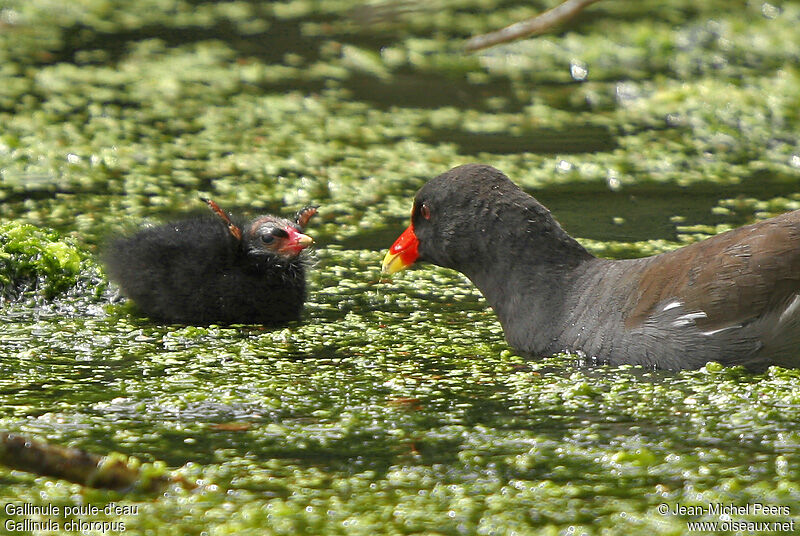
x,y
528,287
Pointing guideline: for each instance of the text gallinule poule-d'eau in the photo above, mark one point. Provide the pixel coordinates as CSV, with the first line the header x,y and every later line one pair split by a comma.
x,y
211,269
733,298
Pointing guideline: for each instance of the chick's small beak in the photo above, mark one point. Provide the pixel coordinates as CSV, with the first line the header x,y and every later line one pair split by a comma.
x,y
296,242
403,253
304,240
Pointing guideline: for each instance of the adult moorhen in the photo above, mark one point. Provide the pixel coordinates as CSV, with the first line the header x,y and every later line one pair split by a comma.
x,y
213,270
733,298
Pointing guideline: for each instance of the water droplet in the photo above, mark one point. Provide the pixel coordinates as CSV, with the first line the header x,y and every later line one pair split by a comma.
x,y
578,70
769,11
612,179
563,166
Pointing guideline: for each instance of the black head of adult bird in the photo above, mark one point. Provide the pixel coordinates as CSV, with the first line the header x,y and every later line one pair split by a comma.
x,y
733,298
211,269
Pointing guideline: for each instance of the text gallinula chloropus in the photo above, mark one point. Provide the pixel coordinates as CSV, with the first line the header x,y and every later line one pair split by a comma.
x,y
733,298
213,270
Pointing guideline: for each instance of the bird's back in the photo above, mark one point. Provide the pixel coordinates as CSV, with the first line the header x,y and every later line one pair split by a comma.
x,y
733,298
167,269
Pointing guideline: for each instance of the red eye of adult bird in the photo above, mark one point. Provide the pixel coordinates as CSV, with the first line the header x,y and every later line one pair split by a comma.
x,y
425,210
733,298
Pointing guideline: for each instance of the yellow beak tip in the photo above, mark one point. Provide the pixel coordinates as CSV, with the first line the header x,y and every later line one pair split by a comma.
x,y
392,264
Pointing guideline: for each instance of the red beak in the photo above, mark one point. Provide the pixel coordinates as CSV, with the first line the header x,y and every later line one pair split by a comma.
x,y
296,242
403,253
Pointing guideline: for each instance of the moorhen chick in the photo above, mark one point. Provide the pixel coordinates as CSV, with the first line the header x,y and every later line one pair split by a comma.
x,y
210,269
733,298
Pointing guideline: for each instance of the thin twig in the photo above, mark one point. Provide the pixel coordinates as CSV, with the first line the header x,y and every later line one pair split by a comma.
x,y
534,26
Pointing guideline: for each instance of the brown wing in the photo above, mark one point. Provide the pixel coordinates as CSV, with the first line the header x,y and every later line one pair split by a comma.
x,y
305,214
732,278
235,231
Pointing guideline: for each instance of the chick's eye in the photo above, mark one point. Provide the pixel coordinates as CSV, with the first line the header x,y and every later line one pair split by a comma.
x,y
425,210
269,235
